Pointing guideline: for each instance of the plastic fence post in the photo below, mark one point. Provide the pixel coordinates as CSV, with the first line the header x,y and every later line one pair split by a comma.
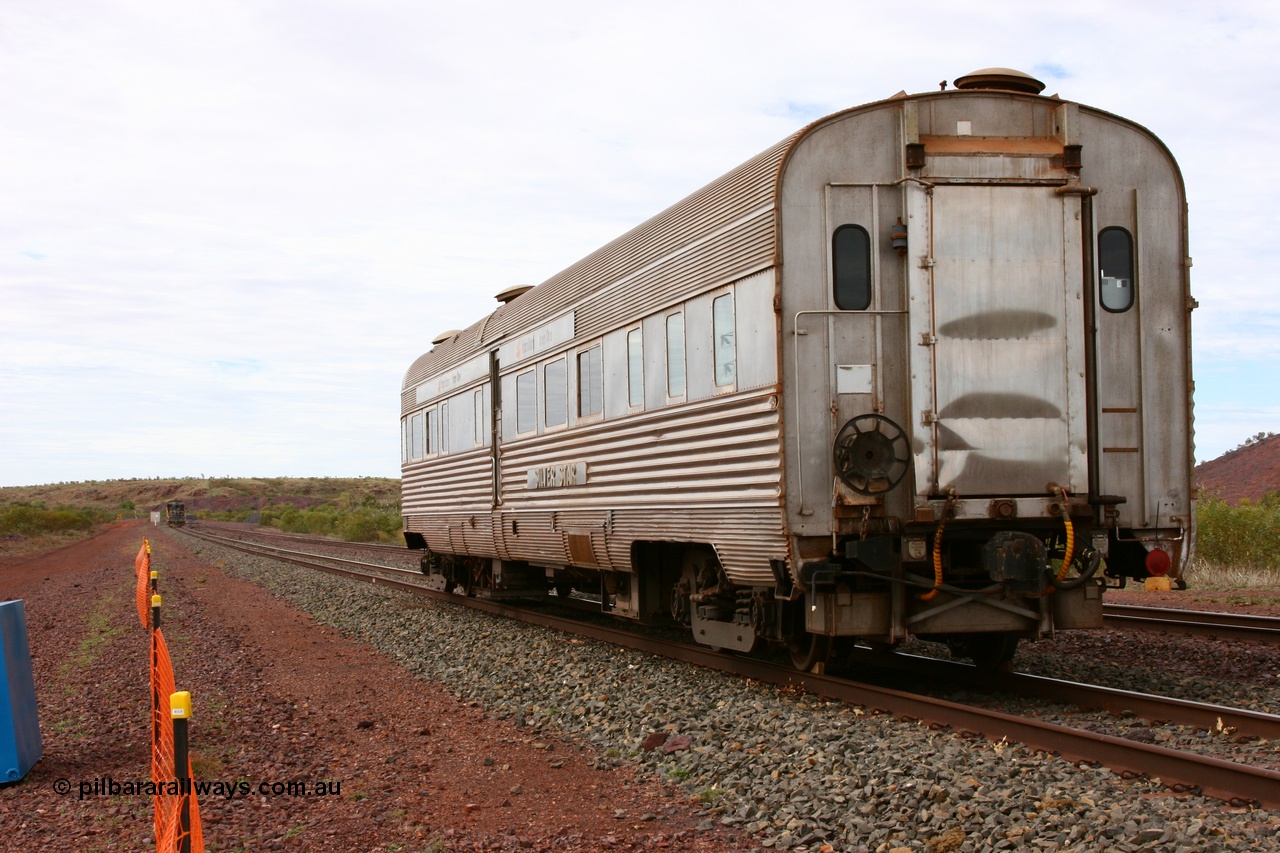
x,y
180,708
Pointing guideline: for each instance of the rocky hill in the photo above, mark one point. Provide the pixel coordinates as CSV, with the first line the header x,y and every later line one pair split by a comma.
x,y
1250,471
138,497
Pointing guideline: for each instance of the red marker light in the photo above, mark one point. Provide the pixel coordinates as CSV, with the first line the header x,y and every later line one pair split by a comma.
x,y
1158,562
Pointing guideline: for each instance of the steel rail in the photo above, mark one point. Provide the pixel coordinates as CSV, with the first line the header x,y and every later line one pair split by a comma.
x,y
1182,772
1227,626
299,537
1149,706
285,554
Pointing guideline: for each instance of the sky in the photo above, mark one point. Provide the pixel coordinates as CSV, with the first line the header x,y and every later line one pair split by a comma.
x,y
227,228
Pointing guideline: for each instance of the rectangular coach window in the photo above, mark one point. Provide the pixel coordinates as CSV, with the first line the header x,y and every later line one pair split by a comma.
x,y
555,379
675,355
635,368
590,383
417,448
526,403
444,427
725,346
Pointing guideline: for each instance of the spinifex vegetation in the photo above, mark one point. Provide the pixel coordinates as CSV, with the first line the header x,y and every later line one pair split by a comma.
x,y
1238,546
370,521
35,519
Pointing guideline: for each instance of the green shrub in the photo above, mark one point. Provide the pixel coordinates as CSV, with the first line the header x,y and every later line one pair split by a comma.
x,y
1245,536
359,526
349,518
34,519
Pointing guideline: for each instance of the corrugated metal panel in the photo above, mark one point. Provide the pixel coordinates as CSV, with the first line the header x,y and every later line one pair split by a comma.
x,y
434,528
456,533
583,519
747,188
532,536
723,450
747,250
745,539
451,483
701,472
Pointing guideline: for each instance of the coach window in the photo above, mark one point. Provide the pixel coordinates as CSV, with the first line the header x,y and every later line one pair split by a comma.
x,y
416,447
477,405
725,347
432,434
675,355
590,382
526,403
1116,283
444,427
635,368
851,267
555,379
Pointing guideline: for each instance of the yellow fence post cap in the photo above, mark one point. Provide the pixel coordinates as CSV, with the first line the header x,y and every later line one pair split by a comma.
x,y
180,704
154,574
155,600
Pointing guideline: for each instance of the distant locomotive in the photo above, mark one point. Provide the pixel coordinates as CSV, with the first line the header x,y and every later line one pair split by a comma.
x,y
917,370
175,513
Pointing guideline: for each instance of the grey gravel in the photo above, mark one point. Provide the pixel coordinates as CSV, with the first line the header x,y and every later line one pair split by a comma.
x,y
799,773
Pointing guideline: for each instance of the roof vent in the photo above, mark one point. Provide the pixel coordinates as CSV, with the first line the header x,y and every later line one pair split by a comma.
x,y
512,292
445,336
1006,79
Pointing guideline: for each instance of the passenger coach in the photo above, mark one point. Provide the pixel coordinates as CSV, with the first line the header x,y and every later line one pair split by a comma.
x,y
922,368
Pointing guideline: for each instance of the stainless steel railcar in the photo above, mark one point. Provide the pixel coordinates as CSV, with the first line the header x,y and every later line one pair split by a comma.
x,y
919,369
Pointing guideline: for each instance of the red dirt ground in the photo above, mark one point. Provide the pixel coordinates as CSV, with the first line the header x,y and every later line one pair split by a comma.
x,y
279,697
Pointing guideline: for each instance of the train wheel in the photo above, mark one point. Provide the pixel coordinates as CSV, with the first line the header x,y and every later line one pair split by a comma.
x,y
990,651
809,651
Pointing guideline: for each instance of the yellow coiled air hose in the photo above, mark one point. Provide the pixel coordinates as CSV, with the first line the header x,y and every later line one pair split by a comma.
x,y
1071,535
937,546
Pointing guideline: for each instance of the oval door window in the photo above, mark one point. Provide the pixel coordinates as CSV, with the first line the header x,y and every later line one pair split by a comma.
x,y
851,267
1116,281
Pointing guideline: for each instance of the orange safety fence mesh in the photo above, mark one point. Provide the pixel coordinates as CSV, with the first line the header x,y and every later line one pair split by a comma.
x,y
170,798
142,565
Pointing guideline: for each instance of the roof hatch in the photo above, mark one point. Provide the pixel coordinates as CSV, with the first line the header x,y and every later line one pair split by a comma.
x,y
512,292
1006,79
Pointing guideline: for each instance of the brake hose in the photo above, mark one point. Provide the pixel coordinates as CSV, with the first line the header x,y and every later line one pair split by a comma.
x,y
1091,559
1071,534
937,545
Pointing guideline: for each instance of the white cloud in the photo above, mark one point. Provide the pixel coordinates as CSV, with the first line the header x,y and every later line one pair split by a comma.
x,y
245,220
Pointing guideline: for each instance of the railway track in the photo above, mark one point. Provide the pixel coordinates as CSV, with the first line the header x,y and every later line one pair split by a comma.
x,y
262,533
1226,626
1181,771
1234,626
